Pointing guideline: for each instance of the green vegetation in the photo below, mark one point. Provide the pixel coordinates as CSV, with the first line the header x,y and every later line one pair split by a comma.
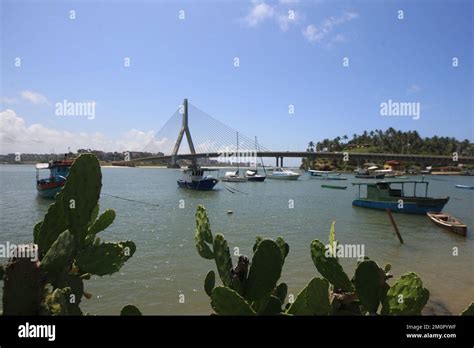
x,y
393,141
254,288
389,141
69,250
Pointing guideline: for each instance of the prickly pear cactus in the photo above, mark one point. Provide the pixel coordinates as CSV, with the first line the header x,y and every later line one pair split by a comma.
x,y
203,234
24,282
130,310
406,297
223,260
329,267
209,282
69,250
60,254
265,270
281,291
81,193
105,258
317,297
369,280
469,310
284,247
299,306
226,301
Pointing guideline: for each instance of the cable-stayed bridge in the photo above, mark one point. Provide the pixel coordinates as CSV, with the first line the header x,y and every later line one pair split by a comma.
x,y
191,134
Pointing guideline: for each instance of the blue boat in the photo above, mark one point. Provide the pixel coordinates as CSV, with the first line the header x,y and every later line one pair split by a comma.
x,y
194,179
384,195
58,171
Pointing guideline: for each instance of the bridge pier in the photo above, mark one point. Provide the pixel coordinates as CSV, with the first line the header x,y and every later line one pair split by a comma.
x,y
173,163
276,165
281,161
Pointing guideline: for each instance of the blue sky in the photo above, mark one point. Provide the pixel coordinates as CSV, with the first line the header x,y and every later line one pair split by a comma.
x,y
283,61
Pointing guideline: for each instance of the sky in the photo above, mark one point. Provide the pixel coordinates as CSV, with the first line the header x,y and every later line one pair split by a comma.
x,y
307,70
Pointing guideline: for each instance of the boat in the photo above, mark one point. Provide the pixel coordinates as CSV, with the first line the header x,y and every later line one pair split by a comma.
x,y
334,187
234,176
369,173
384,195
58,171
252,174
325,175
283,174
465,187
194,178
448,222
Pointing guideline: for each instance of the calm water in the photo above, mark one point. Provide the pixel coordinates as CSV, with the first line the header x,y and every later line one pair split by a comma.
x,y
166,263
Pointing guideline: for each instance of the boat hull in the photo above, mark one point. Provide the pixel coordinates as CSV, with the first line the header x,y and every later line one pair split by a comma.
x,y
465,187
49,190
284,177
200,185
452,226
415,207
370,176
259,178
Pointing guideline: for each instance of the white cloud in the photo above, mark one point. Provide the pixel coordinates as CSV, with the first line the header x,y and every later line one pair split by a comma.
x,y
34,97
280,13
413,89
17,136
259,13
311,33
7,100
284,20
317,34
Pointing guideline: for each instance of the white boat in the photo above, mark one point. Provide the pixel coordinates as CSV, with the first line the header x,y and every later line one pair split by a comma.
x,y
233,177
252,175
284,174
326,175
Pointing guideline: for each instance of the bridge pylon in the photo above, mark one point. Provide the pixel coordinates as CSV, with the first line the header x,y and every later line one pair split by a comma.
x,y
184,130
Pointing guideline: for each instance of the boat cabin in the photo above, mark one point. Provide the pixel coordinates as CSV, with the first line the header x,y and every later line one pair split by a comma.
x,y
386,190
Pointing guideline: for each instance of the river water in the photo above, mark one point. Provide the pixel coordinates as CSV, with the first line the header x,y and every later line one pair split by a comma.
x,y
167,266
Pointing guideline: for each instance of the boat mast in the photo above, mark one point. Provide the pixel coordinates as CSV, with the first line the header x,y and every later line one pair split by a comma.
x,y
261,158
238,154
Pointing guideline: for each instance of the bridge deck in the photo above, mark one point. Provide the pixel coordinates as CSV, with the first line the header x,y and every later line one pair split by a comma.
x,y
425,159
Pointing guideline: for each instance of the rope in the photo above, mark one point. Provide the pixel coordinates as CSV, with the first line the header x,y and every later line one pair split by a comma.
x,y
131,200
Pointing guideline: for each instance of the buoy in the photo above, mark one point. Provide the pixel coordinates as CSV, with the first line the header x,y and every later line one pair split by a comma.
x,y
230,212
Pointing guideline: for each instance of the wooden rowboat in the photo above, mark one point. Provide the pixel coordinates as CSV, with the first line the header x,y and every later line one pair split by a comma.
x,y
448,222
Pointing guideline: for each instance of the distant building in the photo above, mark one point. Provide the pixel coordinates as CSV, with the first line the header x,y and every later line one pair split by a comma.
x,y
392,165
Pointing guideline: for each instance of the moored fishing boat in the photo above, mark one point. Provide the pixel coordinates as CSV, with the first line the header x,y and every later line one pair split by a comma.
x,y
325,175
383,195
334,187
58,171
448,222
283,174
194,178
369,173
